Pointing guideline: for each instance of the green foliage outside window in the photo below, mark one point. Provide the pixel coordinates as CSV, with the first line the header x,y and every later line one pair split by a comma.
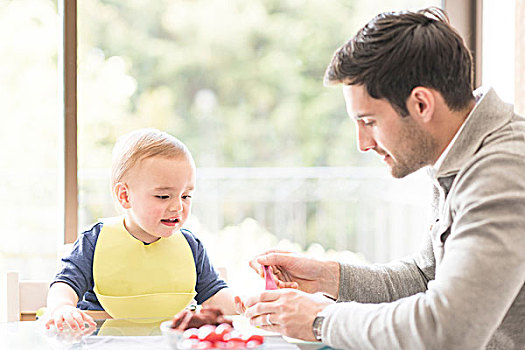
x,y
239,81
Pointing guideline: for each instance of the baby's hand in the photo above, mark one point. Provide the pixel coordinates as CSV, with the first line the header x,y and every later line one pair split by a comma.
x,y
239,305
69,316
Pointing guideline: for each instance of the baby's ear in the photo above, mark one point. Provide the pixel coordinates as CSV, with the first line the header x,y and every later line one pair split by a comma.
x,y
122,194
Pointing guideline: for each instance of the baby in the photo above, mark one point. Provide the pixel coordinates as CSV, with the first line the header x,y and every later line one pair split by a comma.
x,y
141,264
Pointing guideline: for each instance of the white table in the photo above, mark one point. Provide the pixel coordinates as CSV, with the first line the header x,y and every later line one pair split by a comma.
x,y
113,335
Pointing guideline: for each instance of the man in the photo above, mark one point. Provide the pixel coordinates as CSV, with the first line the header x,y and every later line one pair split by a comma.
x,y
407,84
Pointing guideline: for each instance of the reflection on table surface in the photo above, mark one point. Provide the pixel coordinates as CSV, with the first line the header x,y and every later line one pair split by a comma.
x,y
111,334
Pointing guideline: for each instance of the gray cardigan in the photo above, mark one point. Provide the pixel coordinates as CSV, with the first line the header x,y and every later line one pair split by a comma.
x,y
465,288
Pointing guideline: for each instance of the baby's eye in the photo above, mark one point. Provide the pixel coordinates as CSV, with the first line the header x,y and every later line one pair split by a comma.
x,y
186,196
162,197
368,122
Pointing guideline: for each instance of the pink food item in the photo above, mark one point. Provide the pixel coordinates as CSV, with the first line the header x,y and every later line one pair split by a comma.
x,y
209,329
268,276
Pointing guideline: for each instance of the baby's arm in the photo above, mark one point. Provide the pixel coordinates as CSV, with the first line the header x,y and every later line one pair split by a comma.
x,y
225,300
61,308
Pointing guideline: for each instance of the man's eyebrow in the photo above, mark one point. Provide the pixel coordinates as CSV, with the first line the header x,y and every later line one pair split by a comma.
x,y
360,116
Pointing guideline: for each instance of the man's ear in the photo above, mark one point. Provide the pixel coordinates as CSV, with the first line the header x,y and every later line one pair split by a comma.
x,y
421,104
122,194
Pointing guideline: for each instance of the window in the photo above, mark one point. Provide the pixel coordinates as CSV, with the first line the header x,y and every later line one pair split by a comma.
x,y
503,50
30,163
241,84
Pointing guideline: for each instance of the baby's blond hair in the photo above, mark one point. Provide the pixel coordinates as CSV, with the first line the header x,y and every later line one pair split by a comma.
x,y
141,144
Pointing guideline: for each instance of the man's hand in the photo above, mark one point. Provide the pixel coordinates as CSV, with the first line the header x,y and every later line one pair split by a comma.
x,y
296,271
287,311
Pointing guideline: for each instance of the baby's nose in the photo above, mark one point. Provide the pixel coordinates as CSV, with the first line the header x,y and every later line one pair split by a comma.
x,y
176,206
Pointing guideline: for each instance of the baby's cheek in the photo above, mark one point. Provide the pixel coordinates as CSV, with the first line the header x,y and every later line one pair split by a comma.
x,y
187,209
185,215
155,213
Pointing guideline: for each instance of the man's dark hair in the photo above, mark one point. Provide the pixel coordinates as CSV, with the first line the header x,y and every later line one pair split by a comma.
x,y
398,51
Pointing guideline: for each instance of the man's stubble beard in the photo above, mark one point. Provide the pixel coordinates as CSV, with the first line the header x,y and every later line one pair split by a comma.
x,y
419,150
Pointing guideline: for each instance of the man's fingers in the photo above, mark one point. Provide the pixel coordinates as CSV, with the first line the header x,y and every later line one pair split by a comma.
x,y
282,284
256,266
276,258
264,320
266,296
280,251
261,304
268,257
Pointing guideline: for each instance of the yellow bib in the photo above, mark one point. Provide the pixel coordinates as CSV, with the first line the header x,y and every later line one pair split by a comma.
x,y
134,280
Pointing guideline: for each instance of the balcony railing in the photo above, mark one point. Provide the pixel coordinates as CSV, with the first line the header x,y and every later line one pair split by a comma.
x,y
348,208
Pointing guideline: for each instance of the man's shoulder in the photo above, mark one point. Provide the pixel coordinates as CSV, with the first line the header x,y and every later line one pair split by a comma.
x,y
512,132
506,142
494,166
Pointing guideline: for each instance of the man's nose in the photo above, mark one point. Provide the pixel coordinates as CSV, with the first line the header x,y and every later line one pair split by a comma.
x,y
365,141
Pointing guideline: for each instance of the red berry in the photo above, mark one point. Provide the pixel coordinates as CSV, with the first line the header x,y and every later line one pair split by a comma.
x,y
205,331
222,331
255,337
223,328
213,337
191,333
233,336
